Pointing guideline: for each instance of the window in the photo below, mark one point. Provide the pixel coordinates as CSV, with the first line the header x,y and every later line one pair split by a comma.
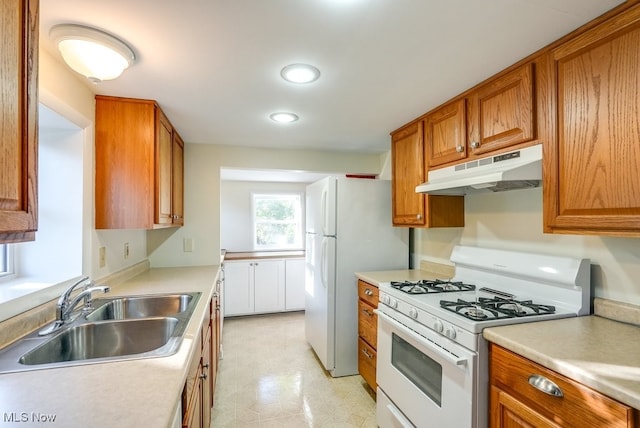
x,y
277,221
6,267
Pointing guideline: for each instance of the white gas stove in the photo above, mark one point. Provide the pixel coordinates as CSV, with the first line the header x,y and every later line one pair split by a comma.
x,y
431,330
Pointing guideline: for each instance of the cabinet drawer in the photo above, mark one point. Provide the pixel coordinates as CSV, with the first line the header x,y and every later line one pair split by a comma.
x,y
367,323
579,405
367,360
368,293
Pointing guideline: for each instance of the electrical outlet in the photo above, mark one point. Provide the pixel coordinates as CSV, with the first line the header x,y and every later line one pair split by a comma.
x,y
126,250
102,257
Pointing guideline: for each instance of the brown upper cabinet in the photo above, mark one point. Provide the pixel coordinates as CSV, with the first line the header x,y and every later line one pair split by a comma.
x,y
19,130
496,115
592,158
501,112
139,166
408,170
177,180
445,132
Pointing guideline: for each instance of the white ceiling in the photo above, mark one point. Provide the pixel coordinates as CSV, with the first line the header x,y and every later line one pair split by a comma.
x,y
213,65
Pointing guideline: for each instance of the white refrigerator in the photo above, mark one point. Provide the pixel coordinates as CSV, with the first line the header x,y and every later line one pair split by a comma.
x,y
348,230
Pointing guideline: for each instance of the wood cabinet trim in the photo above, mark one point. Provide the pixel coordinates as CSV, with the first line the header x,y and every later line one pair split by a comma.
x,y
18,201
516,87
135,167
610,203
580,404
446,147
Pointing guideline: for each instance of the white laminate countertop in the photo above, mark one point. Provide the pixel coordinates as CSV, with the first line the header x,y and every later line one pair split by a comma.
x,y
598,352
137,393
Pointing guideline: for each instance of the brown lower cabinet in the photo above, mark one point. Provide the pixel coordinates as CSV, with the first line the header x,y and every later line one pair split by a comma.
x,y
367,332
514,402
198,392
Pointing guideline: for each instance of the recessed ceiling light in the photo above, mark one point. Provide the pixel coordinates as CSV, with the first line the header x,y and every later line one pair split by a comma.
x,y
283,117
300,73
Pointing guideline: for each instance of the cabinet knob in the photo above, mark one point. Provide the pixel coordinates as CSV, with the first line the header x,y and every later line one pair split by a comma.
x,y
367,312
475,145
459,149
368,292
419,216
203,376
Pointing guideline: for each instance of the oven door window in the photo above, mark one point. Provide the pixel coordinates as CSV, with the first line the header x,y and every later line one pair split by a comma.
x,y
422,371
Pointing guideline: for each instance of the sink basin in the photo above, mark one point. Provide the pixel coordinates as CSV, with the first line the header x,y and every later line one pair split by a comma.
x,y
104,340
119,328
140,307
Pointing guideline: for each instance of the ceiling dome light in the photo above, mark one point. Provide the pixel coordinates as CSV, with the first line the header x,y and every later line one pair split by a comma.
x,y
283,117
300,73
93,53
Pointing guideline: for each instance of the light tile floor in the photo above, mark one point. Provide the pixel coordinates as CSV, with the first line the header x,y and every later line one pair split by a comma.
x,y
270,377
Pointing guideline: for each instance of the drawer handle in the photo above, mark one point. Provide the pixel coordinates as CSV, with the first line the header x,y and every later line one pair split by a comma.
x,y
368,292
543,384
367,312
365,352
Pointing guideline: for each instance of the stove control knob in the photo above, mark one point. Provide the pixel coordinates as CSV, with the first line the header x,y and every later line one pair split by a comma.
x,y
413,313
393,302
450,332
386,299
437,326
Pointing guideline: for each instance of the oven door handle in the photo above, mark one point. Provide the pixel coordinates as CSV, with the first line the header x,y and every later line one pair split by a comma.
x,y
428,343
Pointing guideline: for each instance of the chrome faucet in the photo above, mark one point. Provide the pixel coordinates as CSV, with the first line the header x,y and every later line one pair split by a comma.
x,y
66,305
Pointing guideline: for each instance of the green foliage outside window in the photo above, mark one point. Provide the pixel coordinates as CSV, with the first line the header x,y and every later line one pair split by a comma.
x,y
277,221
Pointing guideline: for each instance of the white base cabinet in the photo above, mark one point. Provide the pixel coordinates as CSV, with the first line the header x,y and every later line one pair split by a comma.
x,y
253,287
263,286
294,285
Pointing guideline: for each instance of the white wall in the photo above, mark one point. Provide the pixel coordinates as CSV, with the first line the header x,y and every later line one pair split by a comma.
x,y
513,220
236,221
66,93
202,193
56,253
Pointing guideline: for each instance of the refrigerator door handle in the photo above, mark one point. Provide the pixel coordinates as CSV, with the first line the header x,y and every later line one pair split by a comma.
x,y
323,210
324,267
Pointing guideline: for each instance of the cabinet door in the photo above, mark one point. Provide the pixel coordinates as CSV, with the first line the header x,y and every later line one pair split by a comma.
x,y
591,164
207,378
177,190
507,412
18,157
294,284
501,112
215,344
164,182
408,171
445,134
269,285
367,363
238,288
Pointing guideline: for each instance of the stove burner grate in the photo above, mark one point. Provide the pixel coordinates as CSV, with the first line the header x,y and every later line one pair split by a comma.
x,y
426,286
496,308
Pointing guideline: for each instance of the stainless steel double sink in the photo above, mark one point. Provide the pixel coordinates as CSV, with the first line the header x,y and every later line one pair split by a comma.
x,y
119,328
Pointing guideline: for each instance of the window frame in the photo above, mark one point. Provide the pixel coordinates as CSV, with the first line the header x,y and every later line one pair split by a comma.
x,y
298,222
7,263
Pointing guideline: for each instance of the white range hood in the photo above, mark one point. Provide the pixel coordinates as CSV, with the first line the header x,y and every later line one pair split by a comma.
x,y
518,169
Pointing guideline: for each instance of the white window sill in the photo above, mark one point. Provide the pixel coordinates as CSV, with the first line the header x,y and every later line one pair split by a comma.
x,y
21,294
